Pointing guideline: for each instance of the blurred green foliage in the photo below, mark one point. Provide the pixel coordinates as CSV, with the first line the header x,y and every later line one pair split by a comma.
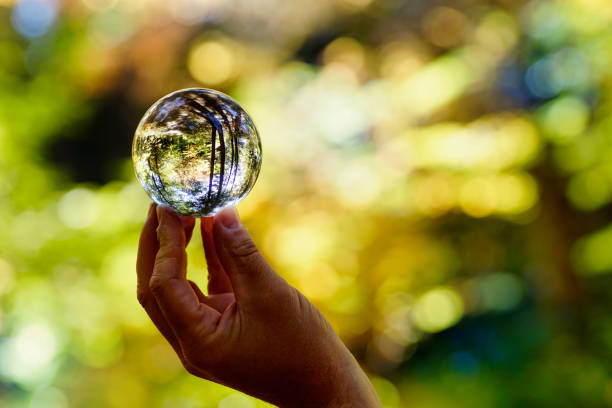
x,y
436,179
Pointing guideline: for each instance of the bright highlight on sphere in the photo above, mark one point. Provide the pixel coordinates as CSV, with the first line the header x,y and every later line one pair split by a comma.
x,y
196,151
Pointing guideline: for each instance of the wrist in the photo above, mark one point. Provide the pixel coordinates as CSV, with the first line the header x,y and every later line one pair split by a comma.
x,y
344,385
354,390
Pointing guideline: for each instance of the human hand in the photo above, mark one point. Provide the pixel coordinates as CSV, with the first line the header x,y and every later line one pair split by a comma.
x,y
253,331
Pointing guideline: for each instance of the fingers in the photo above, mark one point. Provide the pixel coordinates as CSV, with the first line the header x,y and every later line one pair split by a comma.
x,y
218,281
175,296
188,224
147,250
249,273
219,302
196,289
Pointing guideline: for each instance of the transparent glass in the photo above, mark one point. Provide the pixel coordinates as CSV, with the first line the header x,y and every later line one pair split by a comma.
x,y
196,151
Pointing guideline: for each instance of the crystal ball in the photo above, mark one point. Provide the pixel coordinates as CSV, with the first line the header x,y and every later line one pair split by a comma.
x,y
196,151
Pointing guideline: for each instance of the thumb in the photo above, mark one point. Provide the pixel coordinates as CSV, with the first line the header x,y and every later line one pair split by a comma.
x,y
250,274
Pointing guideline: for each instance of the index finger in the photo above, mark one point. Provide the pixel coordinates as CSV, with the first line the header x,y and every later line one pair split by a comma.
x,y
147,251
218,281
175,296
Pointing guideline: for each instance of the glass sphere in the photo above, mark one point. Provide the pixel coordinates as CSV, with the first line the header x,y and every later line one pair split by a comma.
x,y
196,151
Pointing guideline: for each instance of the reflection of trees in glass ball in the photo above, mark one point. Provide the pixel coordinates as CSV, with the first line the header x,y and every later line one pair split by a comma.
x,y
197,151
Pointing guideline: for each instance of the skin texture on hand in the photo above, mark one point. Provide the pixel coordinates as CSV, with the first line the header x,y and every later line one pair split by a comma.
x,y
253,331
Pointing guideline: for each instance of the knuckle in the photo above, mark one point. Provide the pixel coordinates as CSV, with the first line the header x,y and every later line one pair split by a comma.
x,y
166,261
169,257
281,295
202,354
143,298
156,285
244,248
190,367
194,361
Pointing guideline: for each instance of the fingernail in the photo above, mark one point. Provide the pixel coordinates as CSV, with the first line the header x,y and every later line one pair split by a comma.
x,y
228,217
